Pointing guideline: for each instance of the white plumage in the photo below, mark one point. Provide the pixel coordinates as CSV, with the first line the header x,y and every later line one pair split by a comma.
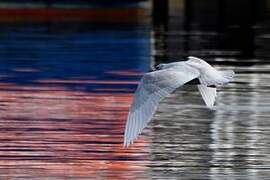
x,y
154,86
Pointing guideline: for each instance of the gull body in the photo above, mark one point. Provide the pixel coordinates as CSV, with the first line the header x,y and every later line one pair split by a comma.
x,y
154,86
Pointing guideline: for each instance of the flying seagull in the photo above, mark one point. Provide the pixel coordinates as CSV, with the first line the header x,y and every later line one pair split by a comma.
x,y
156,85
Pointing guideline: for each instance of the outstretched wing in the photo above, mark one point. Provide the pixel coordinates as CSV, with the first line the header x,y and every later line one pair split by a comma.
x,y
208,94
153,87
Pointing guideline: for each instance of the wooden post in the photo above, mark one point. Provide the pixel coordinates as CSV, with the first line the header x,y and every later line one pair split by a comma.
x,y
221,21
188,15
160,15
48,3
160,12
187,25
236,20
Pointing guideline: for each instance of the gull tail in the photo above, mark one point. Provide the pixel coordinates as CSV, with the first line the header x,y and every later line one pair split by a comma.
x,y
227,75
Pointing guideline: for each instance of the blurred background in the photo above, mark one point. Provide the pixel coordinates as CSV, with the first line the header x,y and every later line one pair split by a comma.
x,y
68,70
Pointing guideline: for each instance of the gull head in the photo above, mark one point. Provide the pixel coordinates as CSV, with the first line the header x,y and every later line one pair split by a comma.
x,y
160,66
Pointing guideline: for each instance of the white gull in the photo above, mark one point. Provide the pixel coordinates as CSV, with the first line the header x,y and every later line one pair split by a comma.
x,y
154,86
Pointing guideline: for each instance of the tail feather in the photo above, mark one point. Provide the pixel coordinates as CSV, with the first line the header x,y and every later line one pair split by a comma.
x,y
228,75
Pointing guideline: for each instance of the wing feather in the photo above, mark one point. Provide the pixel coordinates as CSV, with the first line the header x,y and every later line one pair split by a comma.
x,y
153,87
208,94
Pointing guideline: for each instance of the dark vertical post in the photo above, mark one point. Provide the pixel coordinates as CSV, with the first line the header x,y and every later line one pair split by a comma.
x,y
221,21
247,29
160,15
261,9
160,12
48,3
188,15
187,25
239,18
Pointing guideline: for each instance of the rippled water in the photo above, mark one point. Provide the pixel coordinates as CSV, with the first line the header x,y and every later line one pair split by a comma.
x,y
65,91
230,142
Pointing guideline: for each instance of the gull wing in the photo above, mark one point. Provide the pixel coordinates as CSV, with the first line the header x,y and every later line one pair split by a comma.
x,y
153,87
208,94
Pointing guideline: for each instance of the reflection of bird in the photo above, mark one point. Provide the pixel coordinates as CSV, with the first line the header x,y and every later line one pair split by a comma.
x,y
154,86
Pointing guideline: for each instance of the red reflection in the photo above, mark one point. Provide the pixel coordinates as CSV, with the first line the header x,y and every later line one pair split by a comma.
x,y
92,14
51,131
25,70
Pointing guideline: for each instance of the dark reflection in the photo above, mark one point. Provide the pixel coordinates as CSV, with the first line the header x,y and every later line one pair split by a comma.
x,y
212,29
187,139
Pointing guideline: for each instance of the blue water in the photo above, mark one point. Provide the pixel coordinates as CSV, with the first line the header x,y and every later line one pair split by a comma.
x,y
73,50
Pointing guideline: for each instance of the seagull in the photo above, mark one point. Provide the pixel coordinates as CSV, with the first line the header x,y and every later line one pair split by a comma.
x,y
155,86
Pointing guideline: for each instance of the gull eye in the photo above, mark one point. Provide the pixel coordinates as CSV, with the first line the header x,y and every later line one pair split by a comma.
x,y
159,66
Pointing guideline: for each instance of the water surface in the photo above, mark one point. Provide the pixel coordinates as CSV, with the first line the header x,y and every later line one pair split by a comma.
x,y
66,88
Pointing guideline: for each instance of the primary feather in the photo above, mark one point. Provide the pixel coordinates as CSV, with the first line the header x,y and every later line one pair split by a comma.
x,y
154,86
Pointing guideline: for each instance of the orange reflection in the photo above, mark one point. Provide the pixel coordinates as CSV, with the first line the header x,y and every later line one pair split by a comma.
x,y
51,131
